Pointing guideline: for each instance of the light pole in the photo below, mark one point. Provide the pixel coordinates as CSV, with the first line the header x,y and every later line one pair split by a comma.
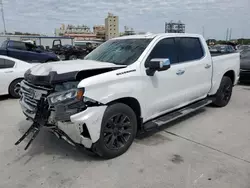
x,y
1,3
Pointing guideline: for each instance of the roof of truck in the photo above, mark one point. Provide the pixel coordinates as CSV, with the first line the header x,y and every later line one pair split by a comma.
x,y
151,35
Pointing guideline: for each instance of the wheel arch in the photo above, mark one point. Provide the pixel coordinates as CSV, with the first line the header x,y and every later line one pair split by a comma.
x,y
231,75
134,104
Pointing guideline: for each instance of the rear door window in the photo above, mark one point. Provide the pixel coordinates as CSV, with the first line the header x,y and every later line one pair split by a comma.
x,y
2,63
17,45
5,63
189,49
9,63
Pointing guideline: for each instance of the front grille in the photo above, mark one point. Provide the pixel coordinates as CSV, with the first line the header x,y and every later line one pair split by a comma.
x,y
30,96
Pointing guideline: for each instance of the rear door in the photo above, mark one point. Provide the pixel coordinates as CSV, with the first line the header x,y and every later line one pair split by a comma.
x,y
6,74
197,66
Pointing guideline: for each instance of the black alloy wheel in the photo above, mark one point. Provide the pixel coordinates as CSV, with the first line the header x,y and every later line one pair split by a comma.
x,y
117,131
227,92
224,92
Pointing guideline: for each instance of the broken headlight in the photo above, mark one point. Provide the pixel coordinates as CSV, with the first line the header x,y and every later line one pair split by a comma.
x,y
65,96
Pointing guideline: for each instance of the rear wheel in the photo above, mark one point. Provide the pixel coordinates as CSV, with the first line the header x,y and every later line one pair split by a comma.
x,y
14,88
224,92
119,126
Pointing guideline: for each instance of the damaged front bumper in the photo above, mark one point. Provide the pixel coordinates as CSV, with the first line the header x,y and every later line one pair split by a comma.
x,y
84,127
75,122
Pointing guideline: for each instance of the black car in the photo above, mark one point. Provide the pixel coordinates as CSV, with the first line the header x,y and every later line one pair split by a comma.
x,y
245,65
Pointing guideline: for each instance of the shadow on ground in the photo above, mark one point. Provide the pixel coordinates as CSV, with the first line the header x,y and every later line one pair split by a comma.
x,y
48,144
5,97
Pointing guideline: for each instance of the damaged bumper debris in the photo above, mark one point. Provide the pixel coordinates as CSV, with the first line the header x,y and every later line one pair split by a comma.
x,y
68,114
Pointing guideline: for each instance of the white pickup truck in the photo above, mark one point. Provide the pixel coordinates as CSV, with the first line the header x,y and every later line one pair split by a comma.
x,y
127,85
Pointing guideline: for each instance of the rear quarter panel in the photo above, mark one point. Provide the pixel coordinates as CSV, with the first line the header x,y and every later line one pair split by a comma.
x,y
221,65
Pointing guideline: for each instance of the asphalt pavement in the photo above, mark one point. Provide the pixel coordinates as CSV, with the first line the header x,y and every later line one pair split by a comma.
x,y
208,149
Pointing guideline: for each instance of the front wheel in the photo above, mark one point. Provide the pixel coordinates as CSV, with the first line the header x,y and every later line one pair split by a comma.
x,y
224,92
118,130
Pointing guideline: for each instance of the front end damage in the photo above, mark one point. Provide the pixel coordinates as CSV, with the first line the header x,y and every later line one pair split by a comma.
x,y
64,110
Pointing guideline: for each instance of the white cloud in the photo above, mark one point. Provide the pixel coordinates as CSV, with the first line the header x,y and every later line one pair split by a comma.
x,y
143,15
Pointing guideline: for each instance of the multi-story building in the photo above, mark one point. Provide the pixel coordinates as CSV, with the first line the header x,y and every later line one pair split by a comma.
x,y
99,31
79,31
111,26
174,27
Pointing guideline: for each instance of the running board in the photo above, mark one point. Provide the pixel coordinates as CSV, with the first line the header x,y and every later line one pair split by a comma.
x,y
162,120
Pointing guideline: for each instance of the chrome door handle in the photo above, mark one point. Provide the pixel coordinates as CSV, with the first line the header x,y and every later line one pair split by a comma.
x,y
207,66
8,71
180,72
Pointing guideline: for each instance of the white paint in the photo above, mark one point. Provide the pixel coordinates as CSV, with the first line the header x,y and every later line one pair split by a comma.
x,y
69,66
92,117
7,75
165,91
158,94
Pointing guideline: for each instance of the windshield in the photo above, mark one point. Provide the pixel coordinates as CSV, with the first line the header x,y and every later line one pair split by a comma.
x,y
119,51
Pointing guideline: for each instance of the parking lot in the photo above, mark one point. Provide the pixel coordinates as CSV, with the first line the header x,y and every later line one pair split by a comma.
x,y
210,148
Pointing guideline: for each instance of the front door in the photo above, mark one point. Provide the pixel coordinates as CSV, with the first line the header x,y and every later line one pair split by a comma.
x,y
165,90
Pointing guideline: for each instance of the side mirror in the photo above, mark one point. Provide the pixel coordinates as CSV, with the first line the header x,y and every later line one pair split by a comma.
x,y
157,64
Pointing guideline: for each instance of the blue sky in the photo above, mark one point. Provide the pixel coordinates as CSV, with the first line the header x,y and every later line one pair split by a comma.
x,y
42,16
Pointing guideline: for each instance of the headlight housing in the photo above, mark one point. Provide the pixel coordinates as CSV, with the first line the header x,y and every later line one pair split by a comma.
x,y
66,96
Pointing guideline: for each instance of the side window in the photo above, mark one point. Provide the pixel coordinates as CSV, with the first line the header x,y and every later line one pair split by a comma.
x,y
9,63
190,49
165,48
17,45
4,64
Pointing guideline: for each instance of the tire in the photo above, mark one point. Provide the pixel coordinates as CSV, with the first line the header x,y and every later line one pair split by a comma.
x,y
14,88
72,57
118,130
224,92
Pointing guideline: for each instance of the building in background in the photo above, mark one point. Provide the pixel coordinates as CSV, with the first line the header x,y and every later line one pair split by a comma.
x,y
174,27
111,26
80,32
99,31
128,31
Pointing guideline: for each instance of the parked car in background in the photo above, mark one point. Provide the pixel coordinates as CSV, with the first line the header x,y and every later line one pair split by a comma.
x,y
11,74
67,52
26,52
222,49
124,87
245,65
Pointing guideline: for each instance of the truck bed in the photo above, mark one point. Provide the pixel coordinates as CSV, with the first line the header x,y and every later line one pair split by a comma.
x,y
214,54
229,61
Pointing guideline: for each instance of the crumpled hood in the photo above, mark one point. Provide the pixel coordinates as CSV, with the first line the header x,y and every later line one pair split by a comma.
x,y
49,74
62,67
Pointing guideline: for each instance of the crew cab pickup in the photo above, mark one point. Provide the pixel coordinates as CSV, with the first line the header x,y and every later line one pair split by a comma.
x,y
126,86
26,52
